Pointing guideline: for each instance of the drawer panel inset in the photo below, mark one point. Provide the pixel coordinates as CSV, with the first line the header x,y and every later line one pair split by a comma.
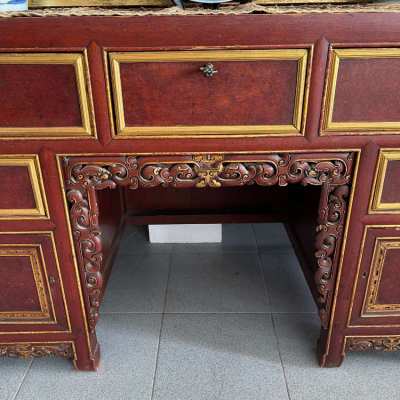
x,y
376,298
362,94
21,188
31,288
44,95
386,192
209,92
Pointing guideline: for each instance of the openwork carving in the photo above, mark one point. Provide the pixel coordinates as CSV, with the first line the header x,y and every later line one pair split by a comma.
x,y
85,175
28,350
390,343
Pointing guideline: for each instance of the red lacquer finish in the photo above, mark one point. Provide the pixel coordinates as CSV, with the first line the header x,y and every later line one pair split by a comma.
x,y
177,93
367,90
92,185
16,188
38,96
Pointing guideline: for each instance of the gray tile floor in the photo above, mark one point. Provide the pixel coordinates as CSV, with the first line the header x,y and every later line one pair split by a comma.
x,y
230,321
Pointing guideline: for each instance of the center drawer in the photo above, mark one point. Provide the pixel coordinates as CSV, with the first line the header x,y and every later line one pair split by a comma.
x,y
214,92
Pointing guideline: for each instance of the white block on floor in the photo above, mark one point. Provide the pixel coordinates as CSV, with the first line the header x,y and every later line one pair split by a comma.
x,y
189,233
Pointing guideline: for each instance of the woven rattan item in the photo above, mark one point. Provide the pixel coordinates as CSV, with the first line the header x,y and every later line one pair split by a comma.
x,y
248,8
159,3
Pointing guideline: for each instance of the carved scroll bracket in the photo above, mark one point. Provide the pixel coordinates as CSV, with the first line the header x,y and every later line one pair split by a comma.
x,y
85,175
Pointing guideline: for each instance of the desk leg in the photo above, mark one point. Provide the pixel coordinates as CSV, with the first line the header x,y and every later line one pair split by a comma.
x,y
331,352
85,361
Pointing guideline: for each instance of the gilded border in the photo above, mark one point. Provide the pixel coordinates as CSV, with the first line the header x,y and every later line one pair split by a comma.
x,y
382,245
51,236
356,280
353,127
376,206
32,252
32,162
79,61
116,98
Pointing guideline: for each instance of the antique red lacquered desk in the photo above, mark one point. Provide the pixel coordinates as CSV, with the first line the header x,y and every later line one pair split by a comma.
x,y
212,118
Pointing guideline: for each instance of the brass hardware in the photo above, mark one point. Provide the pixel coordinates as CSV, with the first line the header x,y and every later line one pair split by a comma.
x,y
208,70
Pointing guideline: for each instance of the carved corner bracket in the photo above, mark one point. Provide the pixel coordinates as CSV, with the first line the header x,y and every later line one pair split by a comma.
x,y
85,175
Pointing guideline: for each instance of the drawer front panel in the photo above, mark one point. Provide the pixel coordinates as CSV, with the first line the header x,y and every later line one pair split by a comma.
x,y
357,79
31,287
376,299
44,95
167,93
21,188
386,192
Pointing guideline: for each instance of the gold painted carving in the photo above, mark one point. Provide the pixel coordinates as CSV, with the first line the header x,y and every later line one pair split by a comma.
x,y
207,168
83,86
31,162
297,128
29,350
358,127
367,343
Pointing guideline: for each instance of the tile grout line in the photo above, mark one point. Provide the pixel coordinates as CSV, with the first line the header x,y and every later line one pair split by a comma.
x,y
271,313
161,326
210,312
280,356
23,380
260,266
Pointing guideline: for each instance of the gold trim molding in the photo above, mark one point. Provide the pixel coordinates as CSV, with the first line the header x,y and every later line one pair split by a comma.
x,y
356,283
376,204
34,253
382,246
300,108
50,235
32,163
357,127
79,61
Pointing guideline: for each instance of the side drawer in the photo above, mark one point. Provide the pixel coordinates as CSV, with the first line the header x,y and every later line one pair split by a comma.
x,y
385,196
45,95
21,187
362,91
213,92
376,294
32,295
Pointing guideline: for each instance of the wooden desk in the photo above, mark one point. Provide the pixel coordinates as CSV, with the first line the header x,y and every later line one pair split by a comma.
x,y
109,119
